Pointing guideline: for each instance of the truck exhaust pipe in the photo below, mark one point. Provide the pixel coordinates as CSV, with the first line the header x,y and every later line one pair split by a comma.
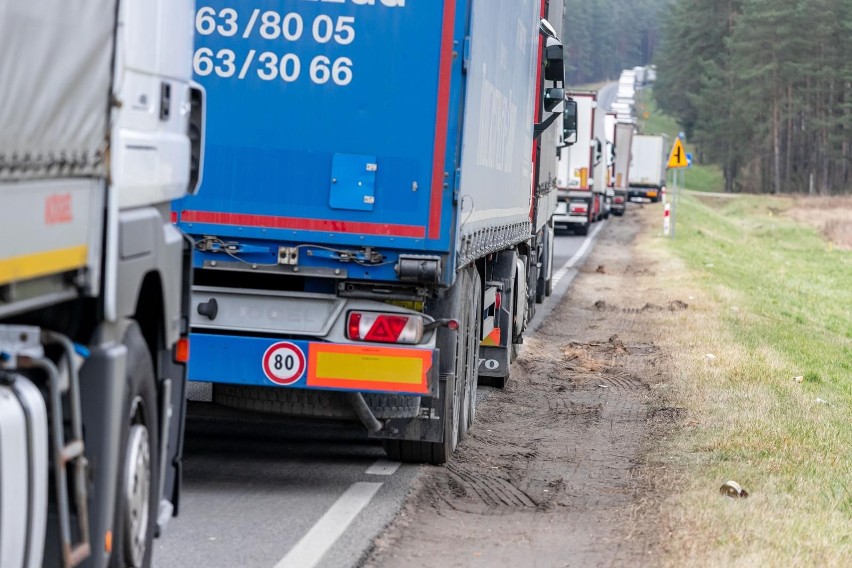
x,y
363,412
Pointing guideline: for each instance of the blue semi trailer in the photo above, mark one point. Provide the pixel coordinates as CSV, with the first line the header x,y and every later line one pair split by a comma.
x,y
368,236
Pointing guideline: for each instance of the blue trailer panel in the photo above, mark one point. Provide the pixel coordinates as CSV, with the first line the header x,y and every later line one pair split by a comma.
x,y
301,144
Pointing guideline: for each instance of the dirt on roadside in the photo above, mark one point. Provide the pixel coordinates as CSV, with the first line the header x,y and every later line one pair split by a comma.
x,y
552,473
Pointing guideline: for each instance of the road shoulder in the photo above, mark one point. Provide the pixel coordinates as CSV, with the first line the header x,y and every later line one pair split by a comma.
x,y
551,475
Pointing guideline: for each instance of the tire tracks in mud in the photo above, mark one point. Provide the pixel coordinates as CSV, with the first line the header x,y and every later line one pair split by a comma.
x,y
548,474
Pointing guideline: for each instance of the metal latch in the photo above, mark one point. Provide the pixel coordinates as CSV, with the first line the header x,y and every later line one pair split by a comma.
x,y
288,256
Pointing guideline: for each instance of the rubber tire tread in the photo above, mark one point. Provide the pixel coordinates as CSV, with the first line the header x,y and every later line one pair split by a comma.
x,y
141,382
291,402
313,404
437,453
467,413
386,406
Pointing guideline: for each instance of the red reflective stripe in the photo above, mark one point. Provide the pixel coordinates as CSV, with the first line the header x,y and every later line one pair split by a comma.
x,y
295,223
538,110
439,152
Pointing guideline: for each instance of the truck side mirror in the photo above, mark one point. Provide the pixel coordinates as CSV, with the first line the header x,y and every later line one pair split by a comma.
x,y
569,122
554,63
553,97
546,29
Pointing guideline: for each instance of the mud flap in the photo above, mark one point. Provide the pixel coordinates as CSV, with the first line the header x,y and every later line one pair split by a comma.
x,y
173,413
494,359
101,397
428,425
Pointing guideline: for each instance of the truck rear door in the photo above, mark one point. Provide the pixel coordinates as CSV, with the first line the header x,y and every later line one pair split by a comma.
x,y
301,144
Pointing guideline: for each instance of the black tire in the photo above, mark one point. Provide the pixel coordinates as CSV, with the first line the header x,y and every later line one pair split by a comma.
x,y
455,303
386,406
540,281
583,231
133,541
435,453
471,355
311,403
548,285
291,402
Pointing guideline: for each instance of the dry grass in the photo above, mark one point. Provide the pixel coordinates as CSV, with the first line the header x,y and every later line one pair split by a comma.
x,y
746,418
831,216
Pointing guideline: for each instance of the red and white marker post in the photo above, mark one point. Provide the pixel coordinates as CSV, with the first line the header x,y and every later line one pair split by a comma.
x,y
667,215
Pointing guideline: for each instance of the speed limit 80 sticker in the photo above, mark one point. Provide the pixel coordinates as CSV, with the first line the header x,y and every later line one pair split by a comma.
x,y
283,363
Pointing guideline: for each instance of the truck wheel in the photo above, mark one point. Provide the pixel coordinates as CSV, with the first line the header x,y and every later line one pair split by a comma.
x,y
137,493
583,231
456,306
540,290
386,406
435,453
541,276
548,288
471,356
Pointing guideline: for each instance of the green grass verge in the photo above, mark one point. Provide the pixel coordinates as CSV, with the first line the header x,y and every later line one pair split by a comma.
x,y
798,288
782,299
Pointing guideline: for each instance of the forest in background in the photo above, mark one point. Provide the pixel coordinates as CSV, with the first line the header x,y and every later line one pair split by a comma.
x,y
602,37
764,89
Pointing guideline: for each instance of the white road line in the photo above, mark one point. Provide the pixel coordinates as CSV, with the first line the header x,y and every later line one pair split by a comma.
x,y
316,542
587,242
383,467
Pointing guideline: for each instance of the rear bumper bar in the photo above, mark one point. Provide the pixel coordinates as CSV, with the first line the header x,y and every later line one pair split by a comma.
x,y
264,361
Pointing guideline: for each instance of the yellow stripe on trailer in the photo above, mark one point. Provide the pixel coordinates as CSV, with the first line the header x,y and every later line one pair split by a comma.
x,y
26,266
369,368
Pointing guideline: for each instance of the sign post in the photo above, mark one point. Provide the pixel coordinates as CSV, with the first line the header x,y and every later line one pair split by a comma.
x,y
677,160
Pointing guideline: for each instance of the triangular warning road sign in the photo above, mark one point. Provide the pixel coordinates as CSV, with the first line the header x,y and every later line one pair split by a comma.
x,y
677,159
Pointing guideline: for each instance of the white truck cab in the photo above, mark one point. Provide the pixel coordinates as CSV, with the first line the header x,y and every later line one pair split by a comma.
x,y
100,129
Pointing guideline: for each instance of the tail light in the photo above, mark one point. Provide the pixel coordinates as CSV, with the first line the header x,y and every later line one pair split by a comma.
x,y
619,200
385,328
182,350
578,208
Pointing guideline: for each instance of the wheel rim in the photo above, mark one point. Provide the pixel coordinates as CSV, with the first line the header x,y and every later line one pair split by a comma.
x,y
137,493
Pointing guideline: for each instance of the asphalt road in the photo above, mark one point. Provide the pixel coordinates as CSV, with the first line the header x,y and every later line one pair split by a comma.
x,y
260,492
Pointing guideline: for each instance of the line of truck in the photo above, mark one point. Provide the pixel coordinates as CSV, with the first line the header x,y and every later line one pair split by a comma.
x,y
347,208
